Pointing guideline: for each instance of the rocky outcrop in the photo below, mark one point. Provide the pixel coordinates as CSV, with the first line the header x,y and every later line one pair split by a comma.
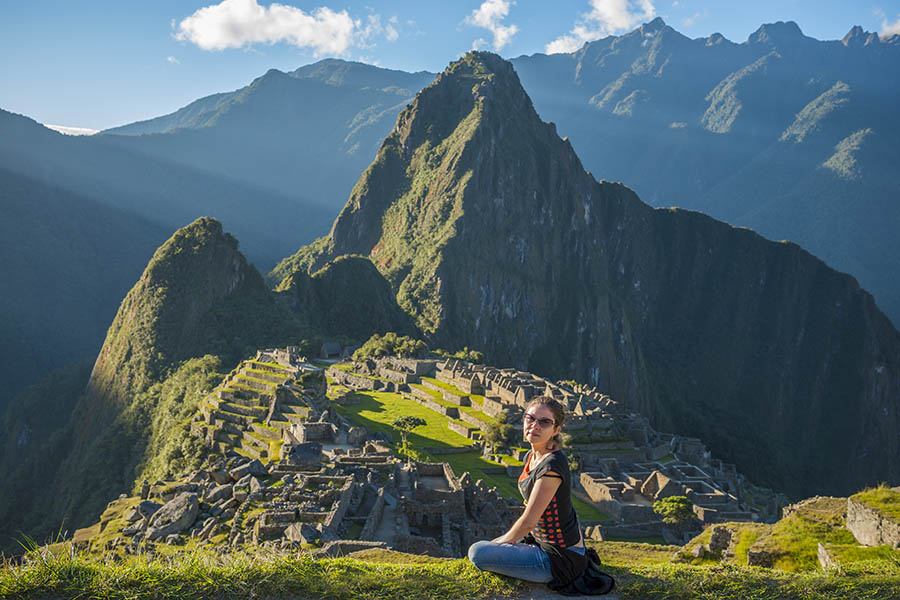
x,y
870,526
492,235
174,517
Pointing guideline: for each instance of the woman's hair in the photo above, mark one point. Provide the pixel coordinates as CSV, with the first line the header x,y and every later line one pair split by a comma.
x,y
559,415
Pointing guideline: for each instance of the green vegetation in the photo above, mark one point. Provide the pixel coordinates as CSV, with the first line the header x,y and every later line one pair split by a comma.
x,y
675,510
171,448
377,411
642,571
405,425
882,498
498,434
587,512
472,356
747,535
794,541
204,575
391,344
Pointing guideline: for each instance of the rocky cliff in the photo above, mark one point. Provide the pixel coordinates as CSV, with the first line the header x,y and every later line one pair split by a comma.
x,y
492,235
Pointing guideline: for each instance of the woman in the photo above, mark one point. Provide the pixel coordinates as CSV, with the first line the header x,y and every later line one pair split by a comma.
x,y
554,552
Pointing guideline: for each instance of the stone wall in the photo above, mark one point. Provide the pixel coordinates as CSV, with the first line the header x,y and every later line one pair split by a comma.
x,y
418,367
374,518
339,509
458,428
352,380
424,398
398,376
492,407
344,547
473,420
458,399
312,432
870,526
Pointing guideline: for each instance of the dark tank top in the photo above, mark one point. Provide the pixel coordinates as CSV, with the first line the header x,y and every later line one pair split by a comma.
x,y
558,524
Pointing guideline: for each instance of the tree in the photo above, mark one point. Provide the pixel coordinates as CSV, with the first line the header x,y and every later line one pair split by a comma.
x,y
406,425
391,344
675,510
497,434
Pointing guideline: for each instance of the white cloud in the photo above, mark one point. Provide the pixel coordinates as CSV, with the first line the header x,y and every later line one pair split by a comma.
x,y
697,16
888,28
65,130
489,16
374,28
605,18
172,60
242,23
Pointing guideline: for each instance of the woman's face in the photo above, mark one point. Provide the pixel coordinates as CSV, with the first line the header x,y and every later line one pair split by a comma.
x,y
534,432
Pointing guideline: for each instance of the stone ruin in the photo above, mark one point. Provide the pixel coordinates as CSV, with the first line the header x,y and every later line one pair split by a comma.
x,y
342,506
258,402
626,465
333,486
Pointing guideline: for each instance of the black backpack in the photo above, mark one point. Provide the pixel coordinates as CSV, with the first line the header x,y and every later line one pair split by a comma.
x,y
592,582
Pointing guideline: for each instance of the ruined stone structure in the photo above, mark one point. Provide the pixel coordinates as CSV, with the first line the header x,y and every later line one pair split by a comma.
x,y
871,526
335,484
258,402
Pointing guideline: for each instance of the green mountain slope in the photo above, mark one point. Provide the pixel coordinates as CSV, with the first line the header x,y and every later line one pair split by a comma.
x,y
67,262
73,442
492,235
198,296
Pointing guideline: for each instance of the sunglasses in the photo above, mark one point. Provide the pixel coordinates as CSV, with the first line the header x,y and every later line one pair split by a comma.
x,y
544,423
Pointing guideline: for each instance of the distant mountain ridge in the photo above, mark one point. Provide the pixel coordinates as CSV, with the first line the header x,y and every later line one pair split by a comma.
x,y
781,133
82,218
492,235
788,135
317,127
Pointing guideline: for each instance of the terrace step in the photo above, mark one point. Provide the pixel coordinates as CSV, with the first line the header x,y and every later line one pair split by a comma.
x,y
213,414
271,378
261,366
251,446
257,384
246,391
245,400
279,424
297,409
255,412
265,431
228,438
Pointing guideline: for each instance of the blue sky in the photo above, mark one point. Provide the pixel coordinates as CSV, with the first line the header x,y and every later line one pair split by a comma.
x,y
97,64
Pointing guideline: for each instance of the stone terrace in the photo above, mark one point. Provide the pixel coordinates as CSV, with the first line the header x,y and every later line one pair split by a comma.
x,y
257,403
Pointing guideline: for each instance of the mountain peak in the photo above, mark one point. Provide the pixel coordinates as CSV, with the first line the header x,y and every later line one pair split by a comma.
x,y
858,37
656,24
160,320
781,32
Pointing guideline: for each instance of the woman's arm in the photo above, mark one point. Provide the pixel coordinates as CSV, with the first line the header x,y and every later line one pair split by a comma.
x,y
543,490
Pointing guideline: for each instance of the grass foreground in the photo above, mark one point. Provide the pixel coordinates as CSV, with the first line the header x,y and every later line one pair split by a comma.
x,y
641,570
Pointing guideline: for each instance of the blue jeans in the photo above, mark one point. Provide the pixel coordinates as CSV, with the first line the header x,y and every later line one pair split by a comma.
x,y
522,561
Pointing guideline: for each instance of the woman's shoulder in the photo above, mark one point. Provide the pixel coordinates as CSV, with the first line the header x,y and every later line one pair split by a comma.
x,y
558,462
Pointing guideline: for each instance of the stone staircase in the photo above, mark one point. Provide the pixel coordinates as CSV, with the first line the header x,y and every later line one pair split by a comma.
x,y
252,407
